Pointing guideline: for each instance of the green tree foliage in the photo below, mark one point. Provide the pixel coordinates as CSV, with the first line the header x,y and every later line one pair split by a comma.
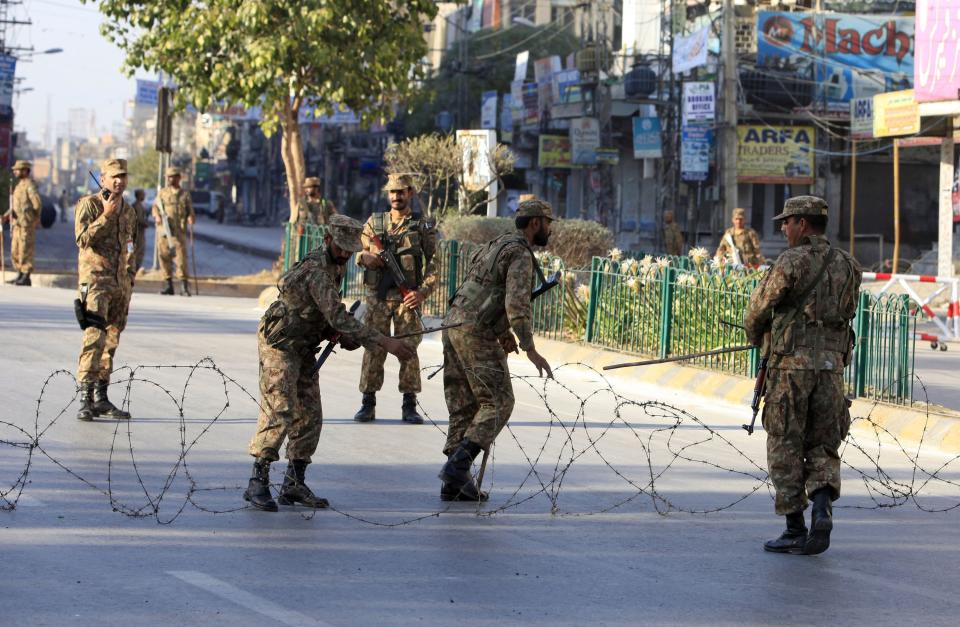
x,y
142,169
282,55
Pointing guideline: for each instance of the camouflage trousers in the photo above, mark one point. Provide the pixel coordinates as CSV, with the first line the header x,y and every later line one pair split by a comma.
x,y
166,257
289,403
379,315
476,387
806,418
110,301
23,242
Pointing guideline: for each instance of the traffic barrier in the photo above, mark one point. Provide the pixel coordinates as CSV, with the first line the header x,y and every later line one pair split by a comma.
x,y
949,325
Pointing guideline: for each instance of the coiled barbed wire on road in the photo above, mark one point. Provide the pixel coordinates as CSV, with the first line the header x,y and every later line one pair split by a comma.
x,y
674,437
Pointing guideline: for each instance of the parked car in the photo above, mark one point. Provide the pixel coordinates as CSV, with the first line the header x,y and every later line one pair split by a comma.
x,y
206,202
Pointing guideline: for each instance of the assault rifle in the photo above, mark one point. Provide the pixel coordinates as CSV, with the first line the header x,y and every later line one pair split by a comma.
x,y
328,349
165,223
759,389
395,273
734,251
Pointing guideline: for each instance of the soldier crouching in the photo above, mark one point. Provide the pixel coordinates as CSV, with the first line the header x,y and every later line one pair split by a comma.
x,y
307,311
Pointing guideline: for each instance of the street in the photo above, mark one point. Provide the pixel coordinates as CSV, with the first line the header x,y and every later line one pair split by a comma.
x,y
589,519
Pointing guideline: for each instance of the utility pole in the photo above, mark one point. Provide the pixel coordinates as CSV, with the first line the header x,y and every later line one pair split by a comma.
x,y
729,130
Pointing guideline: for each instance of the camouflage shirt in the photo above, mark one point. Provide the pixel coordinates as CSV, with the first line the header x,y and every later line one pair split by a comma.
x,y
178,206
415,241
107,245
308,309
315,211
510,276
673,239
748,244
817,338
26,204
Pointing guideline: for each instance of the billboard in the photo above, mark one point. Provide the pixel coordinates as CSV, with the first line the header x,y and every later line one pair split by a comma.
x,y
936,73
8,67
476,147
555,152
861,118
699,102
896,113
696,147
775,154
584,140
646,138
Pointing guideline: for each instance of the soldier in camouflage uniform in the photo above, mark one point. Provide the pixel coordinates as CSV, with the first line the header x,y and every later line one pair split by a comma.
x,y
805,303
746,243
314,208
106,231
307,311
25,215
176,204
493,300
142,224
414,244
672,236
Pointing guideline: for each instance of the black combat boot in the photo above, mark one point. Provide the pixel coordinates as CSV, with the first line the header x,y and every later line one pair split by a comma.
x,y
86,412
368,408
294,490
409,409
793,539
24,280
458,483
102,405
184,287
258,489
821,522
15,280
168,288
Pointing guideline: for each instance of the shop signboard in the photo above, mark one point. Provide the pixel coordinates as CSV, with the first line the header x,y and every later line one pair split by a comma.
x,y
775,154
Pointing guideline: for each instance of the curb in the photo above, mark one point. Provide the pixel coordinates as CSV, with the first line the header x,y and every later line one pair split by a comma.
x,y
932,425
263,253
208,287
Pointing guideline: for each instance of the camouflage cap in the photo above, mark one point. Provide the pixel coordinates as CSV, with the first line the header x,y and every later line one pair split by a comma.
x,y
739,212
534,208
345,232
311,181
22,165
803,206
398,182
173,171
524,197
113,167
668,213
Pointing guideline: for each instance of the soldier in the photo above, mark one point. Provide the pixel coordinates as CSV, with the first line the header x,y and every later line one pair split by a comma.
x,y
413,243
494,298
25,214
106,230
805,303
672,236
307,311
314,208
174,202
142,224
740,244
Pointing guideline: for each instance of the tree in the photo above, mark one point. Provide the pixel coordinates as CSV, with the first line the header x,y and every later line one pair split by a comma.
x,y
142,169
286,56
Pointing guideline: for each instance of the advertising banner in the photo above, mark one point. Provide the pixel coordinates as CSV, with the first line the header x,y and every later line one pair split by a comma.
x,y
896,113
554,152
520,69
696,146
584,140
699,102
690,51
531,103
147,92
861,118
775,154
646,138
506,119
476,147
488,109
8,67
936,73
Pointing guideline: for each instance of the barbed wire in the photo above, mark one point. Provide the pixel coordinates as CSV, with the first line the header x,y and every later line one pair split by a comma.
x,y
671,440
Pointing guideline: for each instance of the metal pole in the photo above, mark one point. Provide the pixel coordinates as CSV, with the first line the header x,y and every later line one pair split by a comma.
x,y
650,362
945,223
896,206
853,190
729,159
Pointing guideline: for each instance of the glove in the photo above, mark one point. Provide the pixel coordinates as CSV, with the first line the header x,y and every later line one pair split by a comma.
x,y
349,343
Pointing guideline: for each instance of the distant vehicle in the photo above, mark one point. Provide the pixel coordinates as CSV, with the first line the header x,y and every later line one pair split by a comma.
x,y
206,202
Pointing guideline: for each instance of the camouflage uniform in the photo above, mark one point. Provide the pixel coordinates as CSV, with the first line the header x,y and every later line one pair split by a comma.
x,y
26,219
178,207
672,238
106,269
493,299
414,242
307,312
314,211
140,248
746,240
805,413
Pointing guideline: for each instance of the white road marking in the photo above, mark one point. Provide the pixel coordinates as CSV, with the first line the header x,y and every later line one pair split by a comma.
x,y
235,595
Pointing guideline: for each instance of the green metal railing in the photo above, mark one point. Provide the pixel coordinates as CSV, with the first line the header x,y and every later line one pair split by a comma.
x,y
883,360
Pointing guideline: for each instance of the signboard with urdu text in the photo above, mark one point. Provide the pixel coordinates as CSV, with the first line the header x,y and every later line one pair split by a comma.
x,y
775,154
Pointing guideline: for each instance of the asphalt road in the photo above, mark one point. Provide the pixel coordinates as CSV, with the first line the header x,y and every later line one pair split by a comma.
x,y
588,522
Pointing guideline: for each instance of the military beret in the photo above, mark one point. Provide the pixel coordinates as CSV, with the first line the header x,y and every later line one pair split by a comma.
x,y
311,181
345,232
534,208
113,167
398,182
803,206
22,165
172,171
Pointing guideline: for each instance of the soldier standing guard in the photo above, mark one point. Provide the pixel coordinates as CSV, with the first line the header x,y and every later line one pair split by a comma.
x,y
25,213
314,208
805,302
106,230
494,298
307,311
740,244
413,243
672,236
142,224
174,203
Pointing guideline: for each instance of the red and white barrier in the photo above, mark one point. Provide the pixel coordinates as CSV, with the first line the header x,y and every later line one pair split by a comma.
x,y
950,324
